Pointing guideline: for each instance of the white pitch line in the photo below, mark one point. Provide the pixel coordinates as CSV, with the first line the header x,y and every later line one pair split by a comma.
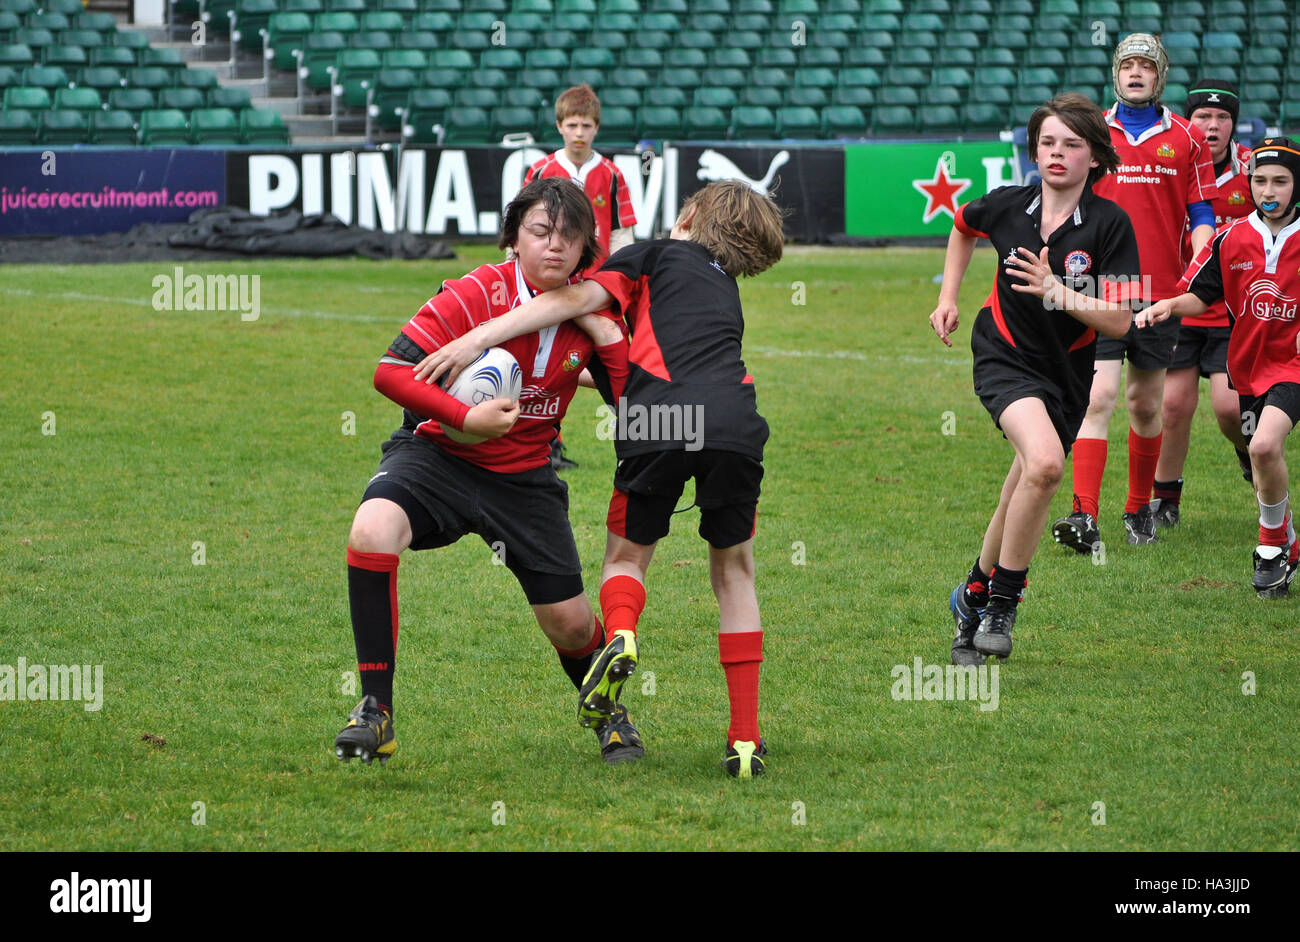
x,y
266,309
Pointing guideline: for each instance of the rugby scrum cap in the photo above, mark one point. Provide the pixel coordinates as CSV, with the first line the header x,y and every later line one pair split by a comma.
x,y
1279,150
1213,93
1140,46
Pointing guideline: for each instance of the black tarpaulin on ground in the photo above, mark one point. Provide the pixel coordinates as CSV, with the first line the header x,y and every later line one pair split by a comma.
x,y
226,233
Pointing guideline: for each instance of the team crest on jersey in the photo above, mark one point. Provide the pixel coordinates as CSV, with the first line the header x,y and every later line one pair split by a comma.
x,y
1077,262
599,200
1236,198
573,361
1164,150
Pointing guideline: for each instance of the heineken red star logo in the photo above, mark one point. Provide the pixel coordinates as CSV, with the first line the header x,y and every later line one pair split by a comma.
x,y
941,192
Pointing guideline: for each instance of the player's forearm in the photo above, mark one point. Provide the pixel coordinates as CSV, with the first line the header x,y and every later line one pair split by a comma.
x,y
396,382
961,248
544,310
620,238
1200,236
1187,305
1106,317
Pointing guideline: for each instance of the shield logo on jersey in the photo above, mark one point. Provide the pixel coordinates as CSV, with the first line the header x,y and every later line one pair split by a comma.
x,y
599,200
1264,299
573,361
1164,150
1236,198
1077,262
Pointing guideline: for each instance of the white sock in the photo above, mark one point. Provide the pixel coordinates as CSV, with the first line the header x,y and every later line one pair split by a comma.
x,y
1272,516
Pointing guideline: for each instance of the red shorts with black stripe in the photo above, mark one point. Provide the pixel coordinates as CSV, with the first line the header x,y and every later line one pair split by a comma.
x,y
648,487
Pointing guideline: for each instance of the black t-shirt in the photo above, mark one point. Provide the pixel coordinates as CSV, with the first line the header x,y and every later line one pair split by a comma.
x,y
1094,252
687,386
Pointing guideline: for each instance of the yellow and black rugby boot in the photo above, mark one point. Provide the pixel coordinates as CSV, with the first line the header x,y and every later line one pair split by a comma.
x,y
369,734
619,740
598,695
744,760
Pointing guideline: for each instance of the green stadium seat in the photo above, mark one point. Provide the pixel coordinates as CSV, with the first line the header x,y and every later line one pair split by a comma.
x,y
103,78
1220,58
317,56
984,7
115,56
134,100
939,119
1040,76
508,60
776,57
153,78
285,34
20,7
798,122
63,127
775,78
1101,8
658,123
761,96
715,23
953,40
594,58
214,127
899,95
816,77
764,7
379,42
236,99
442,78
49,77
814,57
713,96
667,97
1061,7
433,22
336,22
844,121
494,78
70,57
1045,58
303,6
1221,40
1003,57
391,89
508,119
631,78
1266,55
400,6
971,24
484,98
983,117
893,119
414,59
858,57
184,99
452,59
912,77
998,95
8,23
751,123
11,76
424,108
940,95
18,127
730,78
54,22
996,75
131,39
421,40
383,21
534,98
488,6
164,127
804,96
695,59
353,72
29,98
78,99
912,56
202,79
66,7
85,38
113,128
857,96
954,77
1261,95
251,17
468,126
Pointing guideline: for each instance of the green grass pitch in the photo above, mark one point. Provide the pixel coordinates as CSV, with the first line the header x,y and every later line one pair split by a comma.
x,y
186,437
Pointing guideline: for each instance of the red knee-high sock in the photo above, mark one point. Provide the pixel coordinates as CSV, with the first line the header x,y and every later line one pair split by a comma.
x,y
622,599
372,595
1089,466
741,653
577,662
1143,453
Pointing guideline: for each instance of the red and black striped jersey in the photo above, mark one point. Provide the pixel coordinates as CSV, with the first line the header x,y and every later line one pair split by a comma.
x,y
1258,276
1233,202
1161,171
684,316
604,185
551,360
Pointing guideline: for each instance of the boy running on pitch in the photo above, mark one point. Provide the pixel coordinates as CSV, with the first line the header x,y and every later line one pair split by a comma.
x,y
1254,266
1068,264
681,303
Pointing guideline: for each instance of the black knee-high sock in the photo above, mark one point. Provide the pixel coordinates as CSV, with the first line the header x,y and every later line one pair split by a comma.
x,y
977,586
1008,584
372,595
577,663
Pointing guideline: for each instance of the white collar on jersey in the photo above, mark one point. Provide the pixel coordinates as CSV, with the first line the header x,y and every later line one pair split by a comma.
x,y
1272,246
1237,163
545,336
1078,208
576,173
1164,124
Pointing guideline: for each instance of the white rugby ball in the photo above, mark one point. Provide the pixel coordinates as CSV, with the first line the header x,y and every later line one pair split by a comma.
x,y
494,375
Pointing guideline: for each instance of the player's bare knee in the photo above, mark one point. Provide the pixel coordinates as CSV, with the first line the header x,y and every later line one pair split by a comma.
x,y
1044,470
374,531
1265,450
1143,410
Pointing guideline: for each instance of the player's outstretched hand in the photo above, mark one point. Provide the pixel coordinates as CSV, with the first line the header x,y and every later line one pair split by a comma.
x,y
1033,269
944,321
450,358
492,418
1155,314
